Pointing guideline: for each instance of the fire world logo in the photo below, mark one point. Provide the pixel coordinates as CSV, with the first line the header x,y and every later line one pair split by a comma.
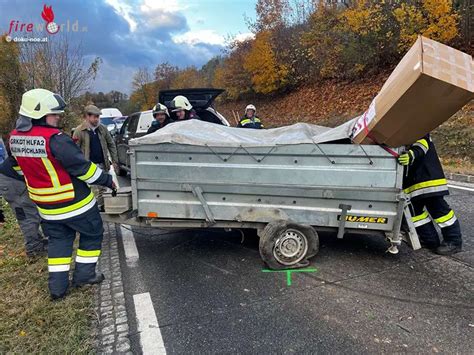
x,y
48,15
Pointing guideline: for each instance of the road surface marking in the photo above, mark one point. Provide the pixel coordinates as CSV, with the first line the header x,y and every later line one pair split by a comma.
x,y
129,246
150,335
289,271
461,187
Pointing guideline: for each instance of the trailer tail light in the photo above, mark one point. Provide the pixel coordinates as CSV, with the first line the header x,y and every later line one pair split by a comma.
x,y
152,215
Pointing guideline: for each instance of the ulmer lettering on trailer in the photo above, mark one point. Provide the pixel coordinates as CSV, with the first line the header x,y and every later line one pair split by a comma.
x,y
24,146
365,219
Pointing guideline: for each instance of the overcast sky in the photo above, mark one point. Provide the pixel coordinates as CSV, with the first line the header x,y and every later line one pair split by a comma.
x,y
128,34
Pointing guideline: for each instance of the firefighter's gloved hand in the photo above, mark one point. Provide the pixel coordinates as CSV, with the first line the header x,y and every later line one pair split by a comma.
x,y
406,158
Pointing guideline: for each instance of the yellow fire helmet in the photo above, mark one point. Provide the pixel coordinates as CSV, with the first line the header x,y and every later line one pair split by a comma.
x,y
38,103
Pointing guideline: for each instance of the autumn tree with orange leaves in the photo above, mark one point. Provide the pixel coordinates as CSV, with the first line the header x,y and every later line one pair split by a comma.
x,y
297,42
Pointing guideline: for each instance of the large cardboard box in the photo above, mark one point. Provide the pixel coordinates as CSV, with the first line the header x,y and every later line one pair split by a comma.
x,y
430,84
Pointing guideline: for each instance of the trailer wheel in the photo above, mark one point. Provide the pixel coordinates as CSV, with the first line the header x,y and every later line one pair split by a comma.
x,y
286,245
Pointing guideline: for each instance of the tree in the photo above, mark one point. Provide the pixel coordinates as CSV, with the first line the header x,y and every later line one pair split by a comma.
x,y
58,66
231,74
435,19
271,14
187,78
144,89
165,73
465,9
369,34
208,70
11,84
267,74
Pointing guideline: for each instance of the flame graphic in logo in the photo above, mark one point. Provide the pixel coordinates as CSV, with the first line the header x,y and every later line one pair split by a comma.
x,y
47,14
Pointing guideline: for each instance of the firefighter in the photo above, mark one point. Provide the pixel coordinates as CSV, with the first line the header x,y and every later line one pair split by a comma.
x,y
426,185
183,109
57,177
161,118
250,119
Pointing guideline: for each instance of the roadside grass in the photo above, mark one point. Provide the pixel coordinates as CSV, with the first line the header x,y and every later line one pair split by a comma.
x,y
29,321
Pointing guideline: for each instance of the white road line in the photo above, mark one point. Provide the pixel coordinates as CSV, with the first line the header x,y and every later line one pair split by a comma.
x,y
461,187
147,324
131,251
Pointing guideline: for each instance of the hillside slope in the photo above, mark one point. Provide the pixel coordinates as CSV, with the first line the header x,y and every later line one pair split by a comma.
x,y
332,103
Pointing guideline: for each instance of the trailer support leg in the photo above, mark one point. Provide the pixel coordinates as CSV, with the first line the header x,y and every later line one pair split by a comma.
x,y
394,237
198,193
342,221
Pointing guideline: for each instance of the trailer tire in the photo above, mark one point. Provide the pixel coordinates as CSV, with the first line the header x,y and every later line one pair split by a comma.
x,y
288,245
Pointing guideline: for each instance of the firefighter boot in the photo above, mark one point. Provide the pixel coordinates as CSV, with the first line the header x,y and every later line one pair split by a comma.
x,y
97,279
448,248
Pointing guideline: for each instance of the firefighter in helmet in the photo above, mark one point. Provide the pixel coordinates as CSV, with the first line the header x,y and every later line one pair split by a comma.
x,y
426,186
161,118
57,177
250,119
183,109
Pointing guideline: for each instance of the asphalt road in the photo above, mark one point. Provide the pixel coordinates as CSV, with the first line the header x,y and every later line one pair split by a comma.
x,y
210,295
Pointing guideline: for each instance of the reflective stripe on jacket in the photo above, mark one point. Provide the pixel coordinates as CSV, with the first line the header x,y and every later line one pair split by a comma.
x,y
253,122
425,175
47,180
56,172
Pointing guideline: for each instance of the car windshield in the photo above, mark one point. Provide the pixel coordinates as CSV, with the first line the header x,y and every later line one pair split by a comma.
x,y
107,120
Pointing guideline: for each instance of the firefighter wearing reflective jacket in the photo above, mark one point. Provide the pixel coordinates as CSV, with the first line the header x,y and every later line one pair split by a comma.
x,y
426,185
57,177
250,119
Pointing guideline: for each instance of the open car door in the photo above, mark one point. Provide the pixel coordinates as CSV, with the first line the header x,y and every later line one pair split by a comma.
x,y
200,98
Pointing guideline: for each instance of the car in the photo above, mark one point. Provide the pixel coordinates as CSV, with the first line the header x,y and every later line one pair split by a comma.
x,y
110,112
119,122
201,99
107,116
110,124
137,124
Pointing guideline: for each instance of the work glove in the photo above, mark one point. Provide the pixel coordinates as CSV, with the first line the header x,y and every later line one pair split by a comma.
x,y
406,158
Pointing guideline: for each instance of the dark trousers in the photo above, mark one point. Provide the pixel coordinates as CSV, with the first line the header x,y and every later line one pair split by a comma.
x,y
15,193
427,211
61,238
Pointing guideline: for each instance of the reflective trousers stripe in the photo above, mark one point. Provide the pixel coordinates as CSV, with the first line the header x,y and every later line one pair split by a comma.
x,y
421,219
420,216
59,268
422,222
88,253
86,259
446,220
59,261
59,264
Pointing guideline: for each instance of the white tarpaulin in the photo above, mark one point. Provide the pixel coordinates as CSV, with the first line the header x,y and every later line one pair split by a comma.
x,y
196,132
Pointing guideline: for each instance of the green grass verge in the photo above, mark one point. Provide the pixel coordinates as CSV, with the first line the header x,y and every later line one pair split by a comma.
x,y
29,321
